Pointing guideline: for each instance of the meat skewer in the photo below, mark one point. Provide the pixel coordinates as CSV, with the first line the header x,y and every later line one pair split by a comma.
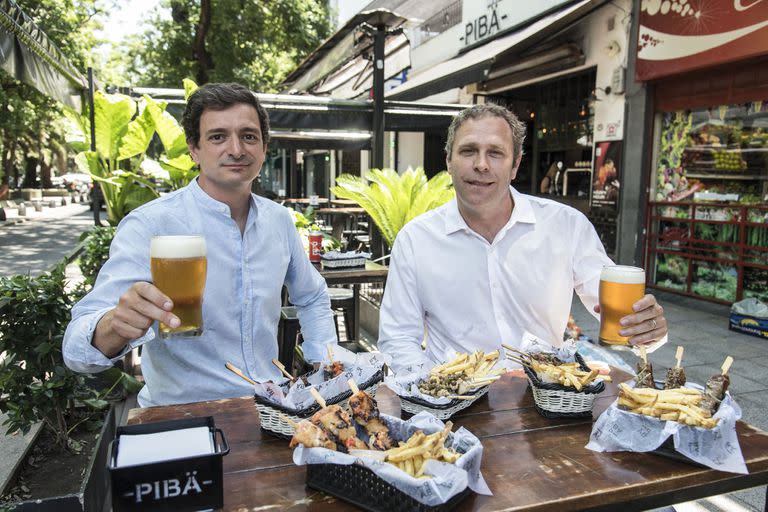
x,y
333,368
365,412
644,371
309,434
336,423
676,375
716,387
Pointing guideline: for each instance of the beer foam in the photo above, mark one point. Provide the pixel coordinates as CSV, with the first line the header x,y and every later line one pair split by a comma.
x,y
176,247
623,274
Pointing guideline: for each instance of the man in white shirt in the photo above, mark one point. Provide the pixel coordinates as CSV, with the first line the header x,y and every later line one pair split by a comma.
x,y
494,263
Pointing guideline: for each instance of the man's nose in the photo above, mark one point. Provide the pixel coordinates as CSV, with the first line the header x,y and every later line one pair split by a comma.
x,y
236,147
481,161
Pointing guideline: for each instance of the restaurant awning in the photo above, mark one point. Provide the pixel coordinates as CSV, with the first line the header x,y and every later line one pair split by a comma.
x,y
479,64
29,56
349,47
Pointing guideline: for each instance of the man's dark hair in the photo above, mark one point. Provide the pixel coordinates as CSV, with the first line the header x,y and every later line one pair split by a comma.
x,y
220,97
488,110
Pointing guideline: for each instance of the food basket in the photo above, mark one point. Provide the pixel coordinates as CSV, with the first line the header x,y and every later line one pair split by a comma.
x,y
272,414
416,405
558,401
363,488
344,260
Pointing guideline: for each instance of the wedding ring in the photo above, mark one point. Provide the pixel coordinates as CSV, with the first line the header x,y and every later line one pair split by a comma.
x,y
653,328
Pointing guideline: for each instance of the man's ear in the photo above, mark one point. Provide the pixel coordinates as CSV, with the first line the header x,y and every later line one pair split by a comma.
x,y
192,150
516,166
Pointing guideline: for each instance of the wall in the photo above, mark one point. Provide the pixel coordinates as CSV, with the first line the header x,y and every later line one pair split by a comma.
x,y
410,150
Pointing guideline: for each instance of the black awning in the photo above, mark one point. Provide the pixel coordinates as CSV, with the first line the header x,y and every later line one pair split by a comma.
x,y
28,55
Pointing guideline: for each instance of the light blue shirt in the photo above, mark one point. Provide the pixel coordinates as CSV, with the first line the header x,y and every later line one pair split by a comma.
x,y
241,304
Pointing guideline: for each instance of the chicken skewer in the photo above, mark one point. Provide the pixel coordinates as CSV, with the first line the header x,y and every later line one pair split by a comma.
x,y
310,435
337,423
716,387
644,371
365,412
676,375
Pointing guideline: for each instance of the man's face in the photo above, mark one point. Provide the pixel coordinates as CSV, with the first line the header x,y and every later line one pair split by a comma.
x,y
482,163
231,148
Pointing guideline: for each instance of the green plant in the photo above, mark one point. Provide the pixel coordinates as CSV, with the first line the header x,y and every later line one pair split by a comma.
x,y
34,383
392,199
95,251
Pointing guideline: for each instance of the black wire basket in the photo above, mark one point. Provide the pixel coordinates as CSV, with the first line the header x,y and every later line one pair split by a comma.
x,y
415,405
360,486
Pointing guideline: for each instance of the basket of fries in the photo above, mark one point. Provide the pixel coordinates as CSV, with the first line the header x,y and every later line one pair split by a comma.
x,y
560,389
463,380
274,416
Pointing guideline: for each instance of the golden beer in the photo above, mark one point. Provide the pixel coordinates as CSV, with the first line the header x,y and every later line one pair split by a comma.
x,y
620,287
179,268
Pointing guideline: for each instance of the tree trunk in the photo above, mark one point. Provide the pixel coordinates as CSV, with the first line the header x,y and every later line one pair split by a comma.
x,y
7,162
199,53
30,172
45,174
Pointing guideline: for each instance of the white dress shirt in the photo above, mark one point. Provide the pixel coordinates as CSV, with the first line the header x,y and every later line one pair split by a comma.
x,y
469,294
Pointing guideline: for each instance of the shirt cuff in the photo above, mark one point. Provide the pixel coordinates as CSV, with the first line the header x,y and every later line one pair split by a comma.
x,y
92,356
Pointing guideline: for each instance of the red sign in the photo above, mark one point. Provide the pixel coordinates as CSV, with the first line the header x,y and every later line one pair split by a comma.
x,y
683,35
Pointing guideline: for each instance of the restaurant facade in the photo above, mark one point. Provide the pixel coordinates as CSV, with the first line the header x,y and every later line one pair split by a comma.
x,y
705,68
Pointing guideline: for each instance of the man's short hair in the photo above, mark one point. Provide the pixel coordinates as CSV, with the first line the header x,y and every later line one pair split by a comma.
x,y
220,97
487,109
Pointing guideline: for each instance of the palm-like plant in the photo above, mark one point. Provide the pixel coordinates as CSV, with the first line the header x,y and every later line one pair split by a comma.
x,y
392,199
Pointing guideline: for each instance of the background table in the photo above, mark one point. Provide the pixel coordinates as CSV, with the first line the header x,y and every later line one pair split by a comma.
x,y
530,463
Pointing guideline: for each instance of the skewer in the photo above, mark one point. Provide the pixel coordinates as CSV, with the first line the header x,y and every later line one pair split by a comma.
x,y
353,386
643,354
726,365
679,355
318,397
330,354
282,369
234,369
288,420
518,360
459,397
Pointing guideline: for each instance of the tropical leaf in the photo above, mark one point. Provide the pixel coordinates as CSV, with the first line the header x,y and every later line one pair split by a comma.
x,y
137,137
112,113
168,129
392,199
189,87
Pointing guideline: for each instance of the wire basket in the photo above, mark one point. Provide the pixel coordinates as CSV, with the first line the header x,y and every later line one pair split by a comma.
x,y
558,401
355,261
415,405
362,487
272,415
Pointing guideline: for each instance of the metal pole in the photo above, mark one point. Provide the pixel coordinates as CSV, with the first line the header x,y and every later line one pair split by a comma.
x,y
96,191
379,35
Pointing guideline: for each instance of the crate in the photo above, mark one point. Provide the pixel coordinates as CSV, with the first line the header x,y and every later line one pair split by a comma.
x,y
747,324
190,483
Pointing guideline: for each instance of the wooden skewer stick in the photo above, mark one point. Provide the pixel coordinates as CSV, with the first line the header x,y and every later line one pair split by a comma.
x,y
317,397
234,369
726,365
643,354
353,386
281,367
330,354
679,356
288,420
460,397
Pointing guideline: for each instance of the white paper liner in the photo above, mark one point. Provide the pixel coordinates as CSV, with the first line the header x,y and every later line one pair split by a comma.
x,y
360,367
717,448
447,479
338,255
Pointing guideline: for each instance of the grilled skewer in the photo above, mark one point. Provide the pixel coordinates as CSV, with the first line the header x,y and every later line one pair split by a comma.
x,y
365,412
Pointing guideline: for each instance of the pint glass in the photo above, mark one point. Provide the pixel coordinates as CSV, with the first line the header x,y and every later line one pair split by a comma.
x,y
179,267
620,287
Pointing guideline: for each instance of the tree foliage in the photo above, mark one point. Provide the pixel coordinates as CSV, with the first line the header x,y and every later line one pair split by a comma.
x,y
253,42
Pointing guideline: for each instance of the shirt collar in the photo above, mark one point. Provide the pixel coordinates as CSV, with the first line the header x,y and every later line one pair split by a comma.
x,y
209,203
522,212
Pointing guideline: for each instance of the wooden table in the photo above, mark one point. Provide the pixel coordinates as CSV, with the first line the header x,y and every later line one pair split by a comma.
x,y
530,463
371,273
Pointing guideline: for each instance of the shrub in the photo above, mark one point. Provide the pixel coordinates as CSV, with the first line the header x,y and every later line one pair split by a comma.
x,y
95,251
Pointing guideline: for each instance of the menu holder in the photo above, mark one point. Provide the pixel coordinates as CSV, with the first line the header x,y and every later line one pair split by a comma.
x,y
184,483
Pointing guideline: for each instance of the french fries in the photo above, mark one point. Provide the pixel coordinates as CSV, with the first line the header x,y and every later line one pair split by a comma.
x,y
678,404
464,374
412,455
552,370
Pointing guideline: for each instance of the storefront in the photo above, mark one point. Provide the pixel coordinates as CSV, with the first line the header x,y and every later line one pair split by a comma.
x,y
707,225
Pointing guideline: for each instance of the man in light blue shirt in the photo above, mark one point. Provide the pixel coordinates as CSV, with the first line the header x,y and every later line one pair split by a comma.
x,y
253,250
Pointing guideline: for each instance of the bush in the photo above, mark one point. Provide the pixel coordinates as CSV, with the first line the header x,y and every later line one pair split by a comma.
x,y
95,252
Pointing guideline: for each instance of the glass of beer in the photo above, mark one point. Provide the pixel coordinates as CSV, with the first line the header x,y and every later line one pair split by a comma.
x,y
179,267
620,287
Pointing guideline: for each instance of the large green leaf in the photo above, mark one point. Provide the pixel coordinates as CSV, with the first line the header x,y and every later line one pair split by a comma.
x,y
112,113
189,87
137,137
393,199
88,162
168,129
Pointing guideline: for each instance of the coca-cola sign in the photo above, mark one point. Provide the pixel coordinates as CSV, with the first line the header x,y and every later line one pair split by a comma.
x,y
683,35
